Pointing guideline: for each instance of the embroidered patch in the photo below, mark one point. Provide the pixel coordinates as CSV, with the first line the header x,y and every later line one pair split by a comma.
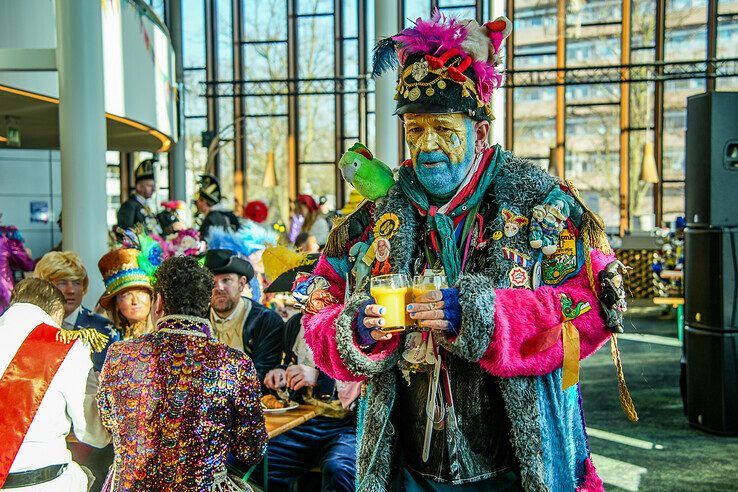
x,y
387,225
519,258
497,235
561,263
518,277
305,284
318,300
513,222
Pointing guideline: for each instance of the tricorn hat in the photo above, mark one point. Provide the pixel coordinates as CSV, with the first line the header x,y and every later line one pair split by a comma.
x,y
447,65
145,170
209,189
225,261
281,266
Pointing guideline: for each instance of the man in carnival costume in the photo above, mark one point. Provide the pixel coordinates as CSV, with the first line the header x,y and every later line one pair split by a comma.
x,y
486,398
136,209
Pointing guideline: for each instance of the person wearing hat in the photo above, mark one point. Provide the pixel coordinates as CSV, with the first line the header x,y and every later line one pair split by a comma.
x,y
127,274
315,222
136,209
240,322
484,395
329,440
207,201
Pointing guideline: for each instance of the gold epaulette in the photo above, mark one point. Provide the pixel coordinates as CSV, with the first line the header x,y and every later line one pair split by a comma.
x,y
89,336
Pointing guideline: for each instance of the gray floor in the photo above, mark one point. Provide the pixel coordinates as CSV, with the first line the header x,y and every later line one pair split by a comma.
x,y
660,451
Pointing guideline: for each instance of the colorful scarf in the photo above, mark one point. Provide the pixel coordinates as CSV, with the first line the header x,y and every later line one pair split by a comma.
x,y
467,197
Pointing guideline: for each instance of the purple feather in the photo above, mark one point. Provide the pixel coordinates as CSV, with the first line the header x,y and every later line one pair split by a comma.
x,y
488,79
434,36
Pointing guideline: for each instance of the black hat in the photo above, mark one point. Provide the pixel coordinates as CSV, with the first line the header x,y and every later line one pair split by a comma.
x,y
145,170
284,282
225,261
167,218
209,189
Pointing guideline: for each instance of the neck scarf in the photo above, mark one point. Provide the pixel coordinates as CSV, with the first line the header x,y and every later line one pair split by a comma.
x,y
441,219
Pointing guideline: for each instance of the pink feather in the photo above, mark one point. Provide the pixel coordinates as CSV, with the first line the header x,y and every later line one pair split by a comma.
x,y
488,79
434,36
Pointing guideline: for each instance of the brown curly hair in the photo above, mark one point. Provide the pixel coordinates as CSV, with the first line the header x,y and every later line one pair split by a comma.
x,y
184,286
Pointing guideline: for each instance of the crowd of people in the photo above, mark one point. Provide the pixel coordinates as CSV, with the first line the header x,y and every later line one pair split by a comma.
x,y
193,338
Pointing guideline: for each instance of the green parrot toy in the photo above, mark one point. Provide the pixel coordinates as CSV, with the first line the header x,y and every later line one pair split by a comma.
x,y
371,177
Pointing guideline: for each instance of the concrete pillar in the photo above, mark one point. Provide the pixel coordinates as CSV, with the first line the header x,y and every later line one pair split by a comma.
x,y
82,134
177,165
386,133
497,130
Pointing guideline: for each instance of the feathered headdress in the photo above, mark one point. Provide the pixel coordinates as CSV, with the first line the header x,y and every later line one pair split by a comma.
x,y
248,239
446,63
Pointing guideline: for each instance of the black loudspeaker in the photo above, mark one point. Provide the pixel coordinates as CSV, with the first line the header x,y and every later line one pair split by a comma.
x,y
712,380
712,160
711,278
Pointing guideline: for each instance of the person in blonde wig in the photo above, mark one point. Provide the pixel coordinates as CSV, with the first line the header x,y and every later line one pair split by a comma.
x,y
65,270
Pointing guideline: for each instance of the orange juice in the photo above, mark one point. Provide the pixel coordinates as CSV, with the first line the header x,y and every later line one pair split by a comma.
x,y
393,299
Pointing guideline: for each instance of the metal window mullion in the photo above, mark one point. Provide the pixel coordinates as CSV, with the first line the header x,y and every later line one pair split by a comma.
x,y
712,20
292,103
211,72
658,109
239,121
338,71
625,117
509,90
363,71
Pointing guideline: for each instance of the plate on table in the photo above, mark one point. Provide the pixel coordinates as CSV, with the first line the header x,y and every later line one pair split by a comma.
x,y
292,405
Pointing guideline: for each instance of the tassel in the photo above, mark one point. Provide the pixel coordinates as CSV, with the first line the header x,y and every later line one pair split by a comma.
x,y
625,400
89,336
592,231
335,244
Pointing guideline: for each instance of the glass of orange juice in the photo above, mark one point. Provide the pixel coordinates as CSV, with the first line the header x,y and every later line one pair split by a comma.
x,y
429,281
392,292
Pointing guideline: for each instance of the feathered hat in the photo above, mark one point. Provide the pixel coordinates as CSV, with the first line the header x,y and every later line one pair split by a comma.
x,y
209,189
282,265
447,65
248,239
132,265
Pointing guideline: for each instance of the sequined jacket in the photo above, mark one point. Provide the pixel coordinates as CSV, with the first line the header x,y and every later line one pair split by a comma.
x,y
547,431
177,402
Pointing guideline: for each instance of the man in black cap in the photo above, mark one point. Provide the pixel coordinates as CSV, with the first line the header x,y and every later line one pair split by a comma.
x,y
136,210
207,199
238,321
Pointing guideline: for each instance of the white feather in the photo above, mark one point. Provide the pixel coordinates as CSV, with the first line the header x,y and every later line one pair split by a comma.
x,y
477,43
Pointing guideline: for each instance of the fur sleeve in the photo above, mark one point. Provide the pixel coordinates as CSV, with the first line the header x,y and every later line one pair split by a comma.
x,y
521,314
331,336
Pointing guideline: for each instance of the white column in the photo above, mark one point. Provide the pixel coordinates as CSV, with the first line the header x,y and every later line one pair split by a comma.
x,y
386,132
497,130
82,134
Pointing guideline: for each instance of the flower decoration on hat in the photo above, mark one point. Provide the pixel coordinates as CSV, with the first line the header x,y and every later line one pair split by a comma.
x,y
448,65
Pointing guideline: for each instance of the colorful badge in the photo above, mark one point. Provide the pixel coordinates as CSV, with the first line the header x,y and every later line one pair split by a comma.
x,y
518,277
513,222
497,235
519,258
381,249
386,226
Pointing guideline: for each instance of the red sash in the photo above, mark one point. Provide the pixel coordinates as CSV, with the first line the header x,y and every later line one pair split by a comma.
x,y
24,385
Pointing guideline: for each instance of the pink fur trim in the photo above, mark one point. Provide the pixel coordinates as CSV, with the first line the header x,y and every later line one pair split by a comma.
x,y
320,335
520,314
335,282
591,482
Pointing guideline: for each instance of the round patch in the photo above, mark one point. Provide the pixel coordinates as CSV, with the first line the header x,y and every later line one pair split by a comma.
x,y
497,235
441,84
414,94
429,91
518,277
386,225
381,250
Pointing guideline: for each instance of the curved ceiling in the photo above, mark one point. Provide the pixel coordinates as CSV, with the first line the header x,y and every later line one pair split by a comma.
x,y
38,119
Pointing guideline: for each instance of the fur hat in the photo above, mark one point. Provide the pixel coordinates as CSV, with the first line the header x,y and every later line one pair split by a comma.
x,y
447,65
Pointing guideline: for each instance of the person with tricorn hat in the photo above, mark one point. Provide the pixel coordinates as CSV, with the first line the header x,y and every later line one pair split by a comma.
x,y
240,322
207,201
476,387
136,209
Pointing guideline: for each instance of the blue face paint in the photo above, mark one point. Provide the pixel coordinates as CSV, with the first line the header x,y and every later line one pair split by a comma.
x,y
438,175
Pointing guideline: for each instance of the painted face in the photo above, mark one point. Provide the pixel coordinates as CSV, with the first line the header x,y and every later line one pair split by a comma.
x,y
442,149
134,304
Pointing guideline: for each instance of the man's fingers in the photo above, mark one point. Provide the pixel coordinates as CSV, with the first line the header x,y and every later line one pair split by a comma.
x,y
436,324
375,310
371,322
417,307
380,335
428,315
430,296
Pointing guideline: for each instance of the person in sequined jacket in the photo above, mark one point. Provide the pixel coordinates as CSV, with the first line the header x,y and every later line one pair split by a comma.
x,y
177,401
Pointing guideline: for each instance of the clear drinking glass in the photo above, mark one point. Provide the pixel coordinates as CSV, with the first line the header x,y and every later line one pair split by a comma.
x,y
429,281
392,292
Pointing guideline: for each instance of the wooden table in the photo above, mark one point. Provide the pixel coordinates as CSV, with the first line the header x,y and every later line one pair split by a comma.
x,y
678,304
279,423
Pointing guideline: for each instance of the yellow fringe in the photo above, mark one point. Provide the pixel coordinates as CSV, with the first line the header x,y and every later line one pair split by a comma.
x,y
625,400
89,336
593,236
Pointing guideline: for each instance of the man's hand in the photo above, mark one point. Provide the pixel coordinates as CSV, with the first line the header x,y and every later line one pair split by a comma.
x,y
428,310
373,320
275,379
299,376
